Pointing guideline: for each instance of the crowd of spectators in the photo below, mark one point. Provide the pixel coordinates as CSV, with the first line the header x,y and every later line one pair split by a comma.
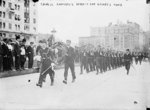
x,y
14,54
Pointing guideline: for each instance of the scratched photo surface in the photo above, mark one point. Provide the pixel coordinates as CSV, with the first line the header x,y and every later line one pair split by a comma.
x,y
74,54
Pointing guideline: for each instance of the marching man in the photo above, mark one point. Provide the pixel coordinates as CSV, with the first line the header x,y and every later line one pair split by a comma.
x,y
69,62
47,64
127,60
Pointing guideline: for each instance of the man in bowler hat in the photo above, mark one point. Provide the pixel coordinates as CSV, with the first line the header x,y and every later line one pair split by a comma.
x,y
30,54
17,53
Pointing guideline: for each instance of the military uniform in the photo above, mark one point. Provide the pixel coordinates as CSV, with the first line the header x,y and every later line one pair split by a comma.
x,y
127,61
46,67
136,58
69,63
140,57
109,61
83,61
97,60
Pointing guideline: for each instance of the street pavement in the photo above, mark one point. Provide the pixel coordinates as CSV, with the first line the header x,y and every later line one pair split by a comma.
x,y
113,90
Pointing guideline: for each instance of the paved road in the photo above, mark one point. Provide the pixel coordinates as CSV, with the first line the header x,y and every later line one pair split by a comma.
x,y
113,90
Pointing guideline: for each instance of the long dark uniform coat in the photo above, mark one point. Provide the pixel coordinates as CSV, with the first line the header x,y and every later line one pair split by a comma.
x,y
127,60
46,67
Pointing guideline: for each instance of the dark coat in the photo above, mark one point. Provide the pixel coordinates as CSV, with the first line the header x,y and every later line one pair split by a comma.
x,y
69,58
30,51
46,61
17,49
6,50
1,50
127,58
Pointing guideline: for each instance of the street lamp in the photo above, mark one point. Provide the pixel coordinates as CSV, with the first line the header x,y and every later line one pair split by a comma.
x,y
53,31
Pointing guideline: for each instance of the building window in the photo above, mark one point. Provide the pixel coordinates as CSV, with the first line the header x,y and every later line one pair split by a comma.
x,y
10,5
10,26
18,17
4,25
15,6
0,13
4,3
26,3
26,27
19,27
0,25
3,14
18,7
34,29
10,15
16,26
34,20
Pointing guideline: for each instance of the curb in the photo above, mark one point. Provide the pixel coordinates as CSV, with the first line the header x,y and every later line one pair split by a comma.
x,y
24,72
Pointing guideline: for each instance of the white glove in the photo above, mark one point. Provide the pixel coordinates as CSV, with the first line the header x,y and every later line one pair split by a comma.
x,y
52,66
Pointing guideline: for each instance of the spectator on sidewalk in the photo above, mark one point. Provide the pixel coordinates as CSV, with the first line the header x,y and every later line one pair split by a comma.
x,y
30,55
5,55
23,54
10,54
38,58
1,54
17,53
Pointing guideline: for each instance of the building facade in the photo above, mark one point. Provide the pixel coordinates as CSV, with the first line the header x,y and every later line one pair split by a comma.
x,y
94,40
18,18
119,36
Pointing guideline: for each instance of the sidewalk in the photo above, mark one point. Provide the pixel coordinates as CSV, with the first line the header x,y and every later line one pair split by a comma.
x,y
26,71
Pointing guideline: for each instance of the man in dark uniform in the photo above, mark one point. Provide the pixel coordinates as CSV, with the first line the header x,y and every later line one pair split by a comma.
x,y
127,60
88,61
83,61
97,58
136,57
109,60
69,62
101,61
17,53
91,60
140,57
104,61
1,54
30,55
46,64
